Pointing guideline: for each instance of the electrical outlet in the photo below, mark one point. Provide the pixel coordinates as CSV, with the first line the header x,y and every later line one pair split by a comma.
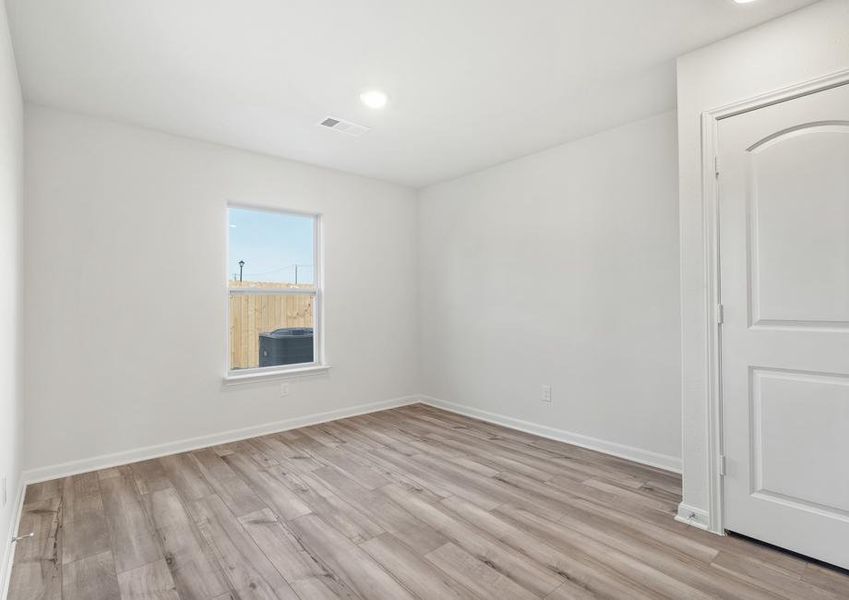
x,y
546,393
284,389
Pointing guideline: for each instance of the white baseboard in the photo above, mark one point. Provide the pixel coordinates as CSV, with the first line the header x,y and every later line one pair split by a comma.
x,y
9,548
106,461
638,455
691,515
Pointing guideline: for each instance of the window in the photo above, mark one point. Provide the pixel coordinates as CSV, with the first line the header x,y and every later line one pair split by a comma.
x,y
273,291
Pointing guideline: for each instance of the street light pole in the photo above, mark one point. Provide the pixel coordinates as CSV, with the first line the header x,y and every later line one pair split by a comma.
x,y
241,266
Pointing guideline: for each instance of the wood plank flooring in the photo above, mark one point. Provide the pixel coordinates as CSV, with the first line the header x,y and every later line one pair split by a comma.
x,y
411,503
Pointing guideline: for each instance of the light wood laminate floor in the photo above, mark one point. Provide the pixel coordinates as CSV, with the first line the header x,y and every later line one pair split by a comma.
x,y
407,503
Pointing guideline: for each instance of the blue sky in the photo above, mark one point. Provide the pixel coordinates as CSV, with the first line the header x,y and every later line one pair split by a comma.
x,y
271,244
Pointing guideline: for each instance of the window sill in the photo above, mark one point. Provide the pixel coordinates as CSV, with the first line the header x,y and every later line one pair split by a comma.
x,y
272,375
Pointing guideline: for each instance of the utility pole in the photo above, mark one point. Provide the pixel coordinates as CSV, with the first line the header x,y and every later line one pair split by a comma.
x,y
241,266
296,274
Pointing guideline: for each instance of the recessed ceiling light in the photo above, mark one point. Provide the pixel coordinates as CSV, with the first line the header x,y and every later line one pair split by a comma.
x,y
743,1
374,98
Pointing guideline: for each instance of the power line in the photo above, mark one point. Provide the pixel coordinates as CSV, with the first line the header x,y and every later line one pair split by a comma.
x,y
293,266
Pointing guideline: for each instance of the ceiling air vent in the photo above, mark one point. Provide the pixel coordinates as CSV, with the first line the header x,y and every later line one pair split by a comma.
x,y
343,126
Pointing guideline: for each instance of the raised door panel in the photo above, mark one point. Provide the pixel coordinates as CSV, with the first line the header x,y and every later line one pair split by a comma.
x,y
799,218
789,465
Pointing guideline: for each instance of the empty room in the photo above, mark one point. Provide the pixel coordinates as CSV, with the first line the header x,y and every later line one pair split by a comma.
x,y
424,300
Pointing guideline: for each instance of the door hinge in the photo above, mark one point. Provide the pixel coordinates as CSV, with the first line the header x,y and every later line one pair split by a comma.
x,y
720,314
716,165
722,465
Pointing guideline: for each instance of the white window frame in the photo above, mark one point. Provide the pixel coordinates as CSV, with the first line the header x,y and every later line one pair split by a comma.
x,y
280,371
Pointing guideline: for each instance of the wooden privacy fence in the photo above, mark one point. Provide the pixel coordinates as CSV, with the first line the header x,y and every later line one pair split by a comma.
x,y
253,314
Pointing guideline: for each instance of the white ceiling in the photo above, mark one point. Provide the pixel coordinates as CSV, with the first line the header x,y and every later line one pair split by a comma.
x,y
471,82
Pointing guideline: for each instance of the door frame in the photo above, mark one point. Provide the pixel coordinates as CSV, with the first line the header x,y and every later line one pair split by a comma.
x,y
710,234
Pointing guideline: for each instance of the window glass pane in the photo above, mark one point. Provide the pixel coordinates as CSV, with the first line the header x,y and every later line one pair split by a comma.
x,y
269,248
274,252
268,330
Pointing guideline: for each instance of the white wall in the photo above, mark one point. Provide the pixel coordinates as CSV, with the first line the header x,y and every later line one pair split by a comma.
x,y
125,288
561,268
11,194
798,47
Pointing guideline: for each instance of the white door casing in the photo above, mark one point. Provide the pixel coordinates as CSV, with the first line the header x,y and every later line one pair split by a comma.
x,y
784,286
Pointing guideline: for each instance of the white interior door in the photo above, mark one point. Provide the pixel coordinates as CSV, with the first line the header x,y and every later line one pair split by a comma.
x,y
784,254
